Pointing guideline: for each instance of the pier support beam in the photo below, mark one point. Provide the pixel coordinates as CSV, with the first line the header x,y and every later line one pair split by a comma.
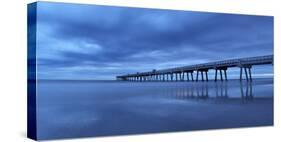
x,y
247,68
221,75
241,73
202,71
197,75
206,74
225,75
202,76
250,73
246,74
222,71
187,76
216,74
191,76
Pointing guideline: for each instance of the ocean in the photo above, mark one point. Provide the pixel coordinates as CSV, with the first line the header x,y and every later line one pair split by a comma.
x,y
70,109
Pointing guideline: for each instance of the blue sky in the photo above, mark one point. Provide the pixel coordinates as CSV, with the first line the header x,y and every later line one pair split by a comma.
x,y
100,42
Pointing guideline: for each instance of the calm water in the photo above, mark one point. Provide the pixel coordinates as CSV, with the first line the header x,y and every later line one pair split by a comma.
x,y
68,109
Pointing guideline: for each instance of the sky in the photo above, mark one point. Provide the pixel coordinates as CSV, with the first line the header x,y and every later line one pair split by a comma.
x,y
90,42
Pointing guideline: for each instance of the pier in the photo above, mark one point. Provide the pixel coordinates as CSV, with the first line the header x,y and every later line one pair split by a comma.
x,y
186,73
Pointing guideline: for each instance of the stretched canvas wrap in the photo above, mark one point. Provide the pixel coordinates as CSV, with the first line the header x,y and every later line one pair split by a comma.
x,y
98,70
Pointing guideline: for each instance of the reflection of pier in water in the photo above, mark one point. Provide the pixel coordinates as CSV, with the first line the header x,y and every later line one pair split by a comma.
x,y
208,91
248,93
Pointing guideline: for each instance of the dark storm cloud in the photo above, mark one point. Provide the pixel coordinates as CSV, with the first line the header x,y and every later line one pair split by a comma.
x,y
103,41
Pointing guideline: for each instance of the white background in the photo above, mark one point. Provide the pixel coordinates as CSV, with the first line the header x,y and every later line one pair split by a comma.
x,y
13,57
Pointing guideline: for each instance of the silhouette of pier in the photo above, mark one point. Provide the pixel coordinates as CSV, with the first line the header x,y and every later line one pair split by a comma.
x,y
185,73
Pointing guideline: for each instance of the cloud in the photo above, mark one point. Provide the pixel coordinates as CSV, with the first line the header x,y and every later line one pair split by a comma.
x,y
104,41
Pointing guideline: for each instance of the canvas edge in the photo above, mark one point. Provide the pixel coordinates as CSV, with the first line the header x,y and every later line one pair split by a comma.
x,y
31,71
